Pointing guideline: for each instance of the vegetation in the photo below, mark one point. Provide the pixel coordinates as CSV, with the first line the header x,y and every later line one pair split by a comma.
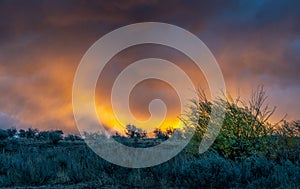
x,y
245,130
72,137
249,152
133,132
3,134
52,136
72,163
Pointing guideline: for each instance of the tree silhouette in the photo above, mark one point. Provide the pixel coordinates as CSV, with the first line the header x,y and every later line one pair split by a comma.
x,y
11,132
133,132
160,134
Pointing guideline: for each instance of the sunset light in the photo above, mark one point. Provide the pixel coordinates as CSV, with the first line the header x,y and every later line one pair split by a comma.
x,y
150,94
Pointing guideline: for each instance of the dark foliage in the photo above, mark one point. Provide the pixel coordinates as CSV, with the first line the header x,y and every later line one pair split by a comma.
x,y
160,134
72,137
31,133
3,134
22,133
52,136
133,132
164,134
11,132
70,163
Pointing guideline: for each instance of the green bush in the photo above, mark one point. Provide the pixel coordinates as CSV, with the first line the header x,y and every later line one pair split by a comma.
x,y
245,130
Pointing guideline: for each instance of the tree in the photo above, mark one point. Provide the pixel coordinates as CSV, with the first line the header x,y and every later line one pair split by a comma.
x,y
31,133
12,132
160,134
55,136
22,133
52,136
133,132
72,137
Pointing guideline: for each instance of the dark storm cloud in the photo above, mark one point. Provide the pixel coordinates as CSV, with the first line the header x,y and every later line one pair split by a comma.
x,y
42,42
255,36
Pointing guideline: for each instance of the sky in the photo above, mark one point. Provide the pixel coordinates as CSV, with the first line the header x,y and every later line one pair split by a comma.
x,y
42,43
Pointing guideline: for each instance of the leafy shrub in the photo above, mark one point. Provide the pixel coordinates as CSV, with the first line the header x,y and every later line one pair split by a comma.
x,y
31,133
133,132
55,136
52,136
12,132
72,137
3,134
22,133
289,129
160,134
245,130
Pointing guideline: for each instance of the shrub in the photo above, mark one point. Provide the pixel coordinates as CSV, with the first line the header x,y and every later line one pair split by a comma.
x,y
39,164
289,129
245,128
52,136
12,132
208,171
134,132
72,137
3,134
160,134
22,133
55,136
31,133
169,132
